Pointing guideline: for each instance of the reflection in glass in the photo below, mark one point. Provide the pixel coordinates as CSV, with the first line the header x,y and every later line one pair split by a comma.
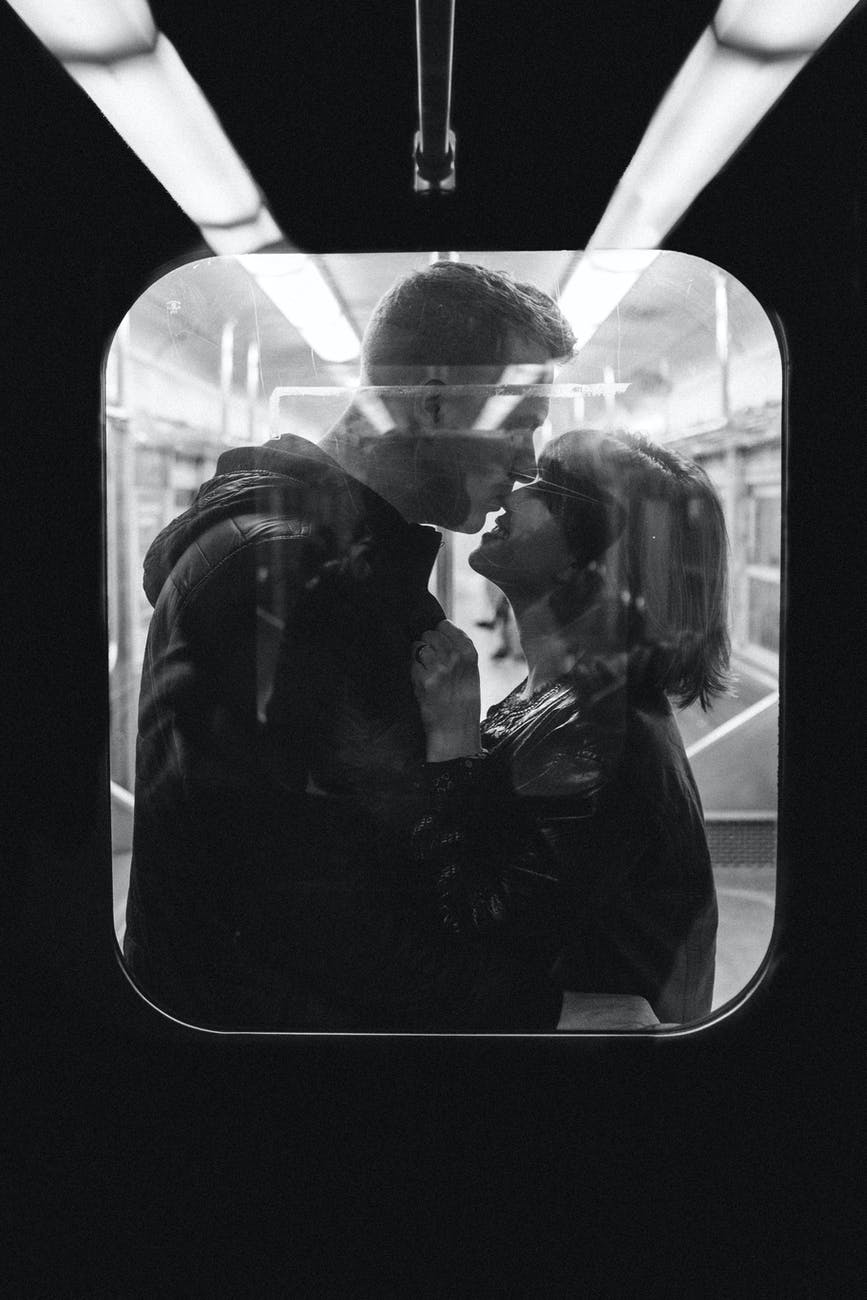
x,y
206,361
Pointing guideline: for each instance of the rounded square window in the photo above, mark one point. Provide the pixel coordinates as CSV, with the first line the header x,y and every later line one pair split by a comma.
x,y
444,611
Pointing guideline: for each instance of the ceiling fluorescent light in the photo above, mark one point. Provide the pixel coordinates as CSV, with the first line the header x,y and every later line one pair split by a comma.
x,y
718,97
136,78
715,101
243,235
295,284
602,278
90,29
770,27
156,106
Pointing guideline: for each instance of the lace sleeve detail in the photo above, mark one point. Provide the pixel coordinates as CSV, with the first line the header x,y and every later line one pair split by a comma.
x,y
480,864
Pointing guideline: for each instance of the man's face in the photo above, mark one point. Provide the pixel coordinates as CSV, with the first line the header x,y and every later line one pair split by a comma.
x,y
492,434
498,455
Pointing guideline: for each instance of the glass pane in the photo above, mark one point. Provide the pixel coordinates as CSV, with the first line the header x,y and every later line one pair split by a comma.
x,y
767,537
765,614
290,513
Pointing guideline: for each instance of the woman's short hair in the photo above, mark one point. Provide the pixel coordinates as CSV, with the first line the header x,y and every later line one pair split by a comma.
x,y
665,546
458,313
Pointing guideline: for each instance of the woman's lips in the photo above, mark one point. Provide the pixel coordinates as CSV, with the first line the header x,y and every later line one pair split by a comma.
x,y
498,529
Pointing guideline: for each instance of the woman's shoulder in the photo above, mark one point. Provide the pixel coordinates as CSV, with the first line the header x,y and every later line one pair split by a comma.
x,y
634,730
562,742
654,770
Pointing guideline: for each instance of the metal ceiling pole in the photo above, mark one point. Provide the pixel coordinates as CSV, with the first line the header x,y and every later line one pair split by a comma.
x,y
434,144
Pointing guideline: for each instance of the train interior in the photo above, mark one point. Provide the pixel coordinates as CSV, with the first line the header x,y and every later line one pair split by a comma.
x,y
255,328
207,199
219,353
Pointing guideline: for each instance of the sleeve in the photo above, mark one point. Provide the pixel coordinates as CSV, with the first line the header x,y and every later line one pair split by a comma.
x,y
480,846
596,892
646,920
479,862
397,972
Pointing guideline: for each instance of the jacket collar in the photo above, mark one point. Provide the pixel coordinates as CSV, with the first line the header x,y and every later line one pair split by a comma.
x,y
410,550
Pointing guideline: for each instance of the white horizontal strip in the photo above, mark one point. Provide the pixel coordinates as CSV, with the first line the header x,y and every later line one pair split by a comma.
x,y
122,796
454,390
726,728
747,816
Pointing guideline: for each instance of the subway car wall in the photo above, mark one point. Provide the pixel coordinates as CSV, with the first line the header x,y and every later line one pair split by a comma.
x,y
124,1126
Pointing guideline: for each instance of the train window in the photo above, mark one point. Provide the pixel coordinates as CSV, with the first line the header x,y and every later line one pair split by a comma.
x,y
310,832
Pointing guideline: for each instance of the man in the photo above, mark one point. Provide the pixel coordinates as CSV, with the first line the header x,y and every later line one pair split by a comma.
x,y
278,738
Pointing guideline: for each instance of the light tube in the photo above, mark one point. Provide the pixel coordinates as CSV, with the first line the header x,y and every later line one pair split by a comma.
x,y
242,236
600,280
716,99
772,26
735,73
90,29
159,110
296,286
136,78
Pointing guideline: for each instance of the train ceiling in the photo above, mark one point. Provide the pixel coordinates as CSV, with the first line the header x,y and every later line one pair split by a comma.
x,y
556,111
664,330
275,121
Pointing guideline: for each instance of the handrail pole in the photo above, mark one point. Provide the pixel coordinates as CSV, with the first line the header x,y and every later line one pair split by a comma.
x,y
434,144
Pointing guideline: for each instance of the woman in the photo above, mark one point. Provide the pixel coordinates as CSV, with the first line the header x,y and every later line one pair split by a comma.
x,y
572,814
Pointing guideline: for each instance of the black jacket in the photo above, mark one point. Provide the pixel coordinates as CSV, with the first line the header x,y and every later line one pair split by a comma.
x,y
581,829
277,759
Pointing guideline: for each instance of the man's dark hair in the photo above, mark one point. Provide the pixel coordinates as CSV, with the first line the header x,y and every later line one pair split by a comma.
x,y
668,551
457,313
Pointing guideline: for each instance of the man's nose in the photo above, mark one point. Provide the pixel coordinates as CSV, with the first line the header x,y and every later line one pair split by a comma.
x,y
523,467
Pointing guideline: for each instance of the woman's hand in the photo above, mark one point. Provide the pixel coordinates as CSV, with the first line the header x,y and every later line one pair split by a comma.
x,y
445,678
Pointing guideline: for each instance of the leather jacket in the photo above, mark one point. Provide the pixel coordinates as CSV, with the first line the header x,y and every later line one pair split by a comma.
x,y
276,771
581,830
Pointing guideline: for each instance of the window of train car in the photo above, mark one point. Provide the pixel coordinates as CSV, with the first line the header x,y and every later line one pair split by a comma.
x,y
310,832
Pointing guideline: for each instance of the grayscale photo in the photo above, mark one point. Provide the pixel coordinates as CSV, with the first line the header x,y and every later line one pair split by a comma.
x,y
434,451
444,616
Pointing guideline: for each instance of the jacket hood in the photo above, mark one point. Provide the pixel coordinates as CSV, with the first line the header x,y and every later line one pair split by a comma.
x,y
285,476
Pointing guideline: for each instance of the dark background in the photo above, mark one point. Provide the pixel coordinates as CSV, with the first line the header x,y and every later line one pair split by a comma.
x,y
146,1159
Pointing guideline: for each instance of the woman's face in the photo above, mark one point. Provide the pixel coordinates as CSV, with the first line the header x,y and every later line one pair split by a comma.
x,y
527,548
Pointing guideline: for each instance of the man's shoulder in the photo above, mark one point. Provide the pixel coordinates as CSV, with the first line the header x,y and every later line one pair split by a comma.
x,y
264,504
288,456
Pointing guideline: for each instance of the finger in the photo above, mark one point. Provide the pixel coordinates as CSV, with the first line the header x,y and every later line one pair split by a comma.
x,y
451,632
457,639
420,650
438,641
